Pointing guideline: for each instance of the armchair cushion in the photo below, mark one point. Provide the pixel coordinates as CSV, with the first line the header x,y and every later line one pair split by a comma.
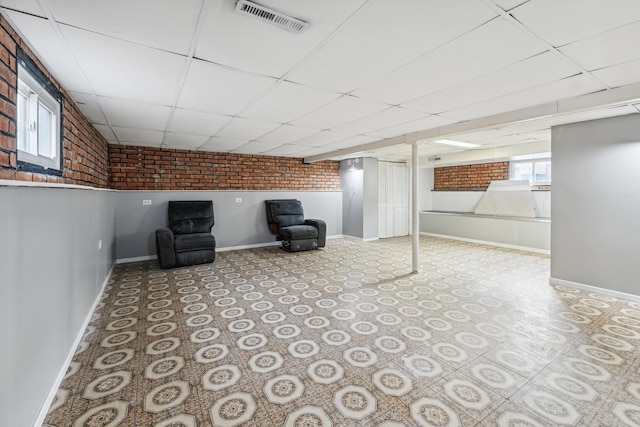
x,y
194,242
296,232
187,217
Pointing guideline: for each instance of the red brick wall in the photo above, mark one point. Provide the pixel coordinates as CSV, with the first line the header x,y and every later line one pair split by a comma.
x,y
85,151
144,168
469,177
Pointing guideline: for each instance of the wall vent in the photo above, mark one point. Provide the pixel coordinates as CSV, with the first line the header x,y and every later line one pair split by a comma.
x,y
269,15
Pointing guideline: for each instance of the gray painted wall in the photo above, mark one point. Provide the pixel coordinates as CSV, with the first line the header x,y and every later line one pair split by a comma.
x,y
52,272
236,224
595,203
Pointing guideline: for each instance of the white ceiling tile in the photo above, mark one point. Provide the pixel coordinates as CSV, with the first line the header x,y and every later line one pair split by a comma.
x,y
383,35
492,46
310,152
507,5
531,72
619,75
606,49
106,131
88,104
184,141
124,70
287,133
285,150
429,122
287,101
342,110
221,90
350,142
196,122
321,139
565,88
135,114
562,22
152,138
240,128
52,51
392,116
255,147
31,7
222,144
162,24
248,44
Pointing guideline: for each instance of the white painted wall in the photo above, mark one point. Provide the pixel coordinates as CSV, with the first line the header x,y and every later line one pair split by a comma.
x,y
52,272
595,238
467,201
425,182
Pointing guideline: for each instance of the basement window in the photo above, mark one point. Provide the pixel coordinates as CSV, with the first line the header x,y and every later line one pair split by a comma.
x,y
39,121
536,171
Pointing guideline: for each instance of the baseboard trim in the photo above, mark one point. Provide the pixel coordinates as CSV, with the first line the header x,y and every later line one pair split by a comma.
x,y
488,243
56,385
225,249
589,288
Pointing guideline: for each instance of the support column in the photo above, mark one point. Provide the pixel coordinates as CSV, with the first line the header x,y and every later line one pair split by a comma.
x,y
415,209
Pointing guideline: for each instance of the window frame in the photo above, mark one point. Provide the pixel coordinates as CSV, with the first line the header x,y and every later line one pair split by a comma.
x,y
42,92
533,162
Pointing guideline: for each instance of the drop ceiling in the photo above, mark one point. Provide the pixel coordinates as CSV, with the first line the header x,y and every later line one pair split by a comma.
x,y
364,78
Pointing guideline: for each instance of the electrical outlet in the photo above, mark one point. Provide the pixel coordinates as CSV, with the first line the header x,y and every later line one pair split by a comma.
x,y
99,244
146,202
238,199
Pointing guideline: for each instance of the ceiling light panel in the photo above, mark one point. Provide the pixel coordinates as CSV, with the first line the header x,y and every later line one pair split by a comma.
x,y
142,22
196,122
125,70
454,143
566,21
531,72
88,104
619,75
490,47
52,50
386,118
565,88
606,49
342,110
135,114
287,133
221,90
369,45
288,101
240,128
242,42
131,136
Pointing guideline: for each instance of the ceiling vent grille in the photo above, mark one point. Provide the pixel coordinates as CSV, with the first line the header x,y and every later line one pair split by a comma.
x,y
269,15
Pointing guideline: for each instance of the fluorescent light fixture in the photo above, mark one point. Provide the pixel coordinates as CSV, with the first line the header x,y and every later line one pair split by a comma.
x,y
456,143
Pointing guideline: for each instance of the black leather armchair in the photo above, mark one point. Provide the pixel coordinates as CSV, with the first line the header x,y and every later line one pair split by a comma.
x,y
188,240
286,220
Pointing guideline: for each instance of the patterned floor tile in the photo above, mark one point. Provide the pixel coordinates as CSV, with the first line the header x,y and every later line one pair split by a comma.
x,y
344,336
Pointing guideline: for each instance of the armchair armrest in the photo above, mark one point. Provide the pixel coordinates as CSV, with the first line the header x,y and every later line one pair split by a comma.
x,y
164,247
322,230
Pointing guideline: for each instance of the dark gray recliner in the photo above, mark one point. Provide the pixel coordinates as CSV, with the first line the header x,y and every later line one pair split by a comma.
x,y
286,220
188,240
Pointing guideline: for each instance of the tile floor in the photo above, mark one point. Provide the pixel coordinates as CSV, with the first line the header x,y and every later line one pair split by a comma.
x,y
345,337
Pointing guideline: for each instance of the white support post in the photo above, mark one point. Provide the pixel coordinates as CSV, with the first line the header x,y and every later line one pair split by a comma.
x,y
415,209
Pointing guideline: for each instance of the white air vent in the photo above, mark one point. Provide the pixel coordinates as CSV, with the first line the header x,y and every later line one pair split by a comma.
x,y
269,15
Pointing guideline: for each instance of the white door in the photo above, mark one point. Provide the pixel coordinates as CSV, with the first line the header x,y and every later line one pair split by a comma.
x,y
393,199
